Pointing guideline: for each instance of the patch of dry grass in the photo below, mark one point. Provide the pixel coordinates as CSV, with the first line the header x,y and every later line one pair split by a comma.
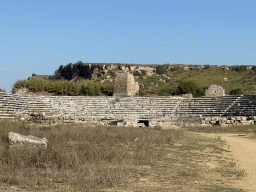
x,y
229,129
79,157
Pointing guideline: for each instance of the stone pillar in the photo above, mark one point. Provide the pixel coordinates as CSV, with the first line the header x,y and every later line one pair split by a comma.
x,y
125,84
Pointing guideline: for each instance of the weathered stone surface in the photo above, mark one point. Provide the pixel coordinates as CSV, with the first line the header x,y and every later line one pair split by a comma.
x,y
125,84
214,91
157,110
16,139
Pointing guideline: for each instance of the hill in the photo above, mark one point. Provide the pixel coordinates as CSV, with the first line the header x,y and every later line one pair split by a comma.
x,y
168,79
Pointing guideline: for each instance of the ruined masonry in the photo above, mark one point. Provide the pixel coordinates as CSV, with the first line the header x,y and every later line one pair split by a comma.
x,y
214,91
132,111
216,109
125,84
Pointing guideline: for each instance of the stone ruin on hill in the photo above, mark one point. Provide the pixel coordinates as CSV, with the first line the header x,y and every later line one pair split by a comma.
x,y
125,84
214,91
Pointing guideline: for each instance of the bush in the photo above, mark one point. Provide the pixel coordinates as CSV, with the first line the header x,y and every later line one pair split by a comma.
x,y
168,91
187,87
174,69
254,68
107,88
236,92
207,66
239,69
160,70
2,90
190,87
136,73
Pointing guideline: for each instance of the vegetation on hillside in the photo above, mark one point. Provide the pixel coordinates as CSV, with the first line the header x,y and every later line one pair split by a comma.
x,y
176,82
75,87
165,81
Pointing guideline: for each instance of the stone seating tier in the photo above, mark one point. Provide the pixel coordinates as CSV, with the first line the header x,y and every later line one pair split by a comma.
x,y
134,107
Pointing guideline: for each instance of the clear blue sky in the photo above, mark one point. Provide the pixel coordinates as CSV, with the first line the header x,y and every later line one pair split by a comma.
x,y
39,36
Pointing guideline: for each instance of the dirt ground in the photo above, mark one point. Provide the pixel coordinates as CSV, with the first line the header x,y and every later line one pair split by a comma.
x,y
243,150
204,162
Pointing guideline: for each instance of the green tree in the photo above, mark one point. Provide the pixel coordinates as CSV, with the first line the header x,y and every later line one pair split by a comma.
x,y
160,70
237,91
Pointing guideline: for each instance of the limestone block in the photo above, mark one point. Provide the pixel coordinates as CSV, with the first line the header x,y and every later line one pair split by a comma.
x,y
239,118
213,122
16,139
120,124
251,122
245,122
214,90
244,118
221,121
203,125
78,122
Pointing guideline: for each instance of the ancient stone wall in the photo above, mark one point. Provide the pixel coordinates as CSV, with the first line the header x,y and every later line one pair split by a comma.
x,y
132,111
125,84
214,91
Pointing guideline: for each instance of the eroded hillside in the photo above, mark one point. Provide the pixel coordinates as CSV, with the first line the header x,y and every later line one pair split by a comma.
x,y
168,79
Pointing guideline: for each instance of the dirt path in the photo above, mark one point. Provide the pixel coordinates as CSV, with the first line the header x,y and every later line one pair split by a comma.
x,y
243,150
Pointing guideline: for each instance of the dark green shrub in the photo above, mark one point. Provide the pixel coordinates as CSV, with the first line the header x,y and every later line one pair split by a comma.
x,y
160,70
136,73
239,69
237,91
168,91
207,66
112,73
187,87
174,69
254,68
143,72
88,90
2,90
190,87
107,88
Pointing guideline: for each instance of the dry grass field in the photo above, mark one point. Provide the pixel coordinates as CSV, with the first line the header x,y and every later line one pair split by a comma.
x,y
97,158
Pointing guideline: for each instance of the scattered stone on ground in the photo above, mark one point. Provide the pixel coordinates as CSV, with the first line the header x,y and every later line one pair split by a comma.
x,y
16,139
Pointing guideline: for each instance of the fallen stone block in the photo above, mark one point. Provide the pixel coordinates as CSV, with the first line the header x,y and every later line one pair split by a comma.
x,y
213,122
238,118
42,114
223,125
16,139
78,122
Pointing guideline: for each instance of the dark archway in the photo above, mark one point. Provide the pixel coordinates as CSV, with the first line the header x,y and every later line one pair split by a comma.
x,y
146,122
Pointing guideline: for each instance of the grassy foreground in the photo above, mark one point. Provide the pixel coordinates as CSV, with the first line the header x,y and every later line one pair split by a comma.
x,y
86,158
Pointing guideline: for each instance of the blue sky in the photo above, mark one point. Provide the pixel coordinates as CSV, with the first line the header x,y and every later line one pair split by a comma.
x,y
39,36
